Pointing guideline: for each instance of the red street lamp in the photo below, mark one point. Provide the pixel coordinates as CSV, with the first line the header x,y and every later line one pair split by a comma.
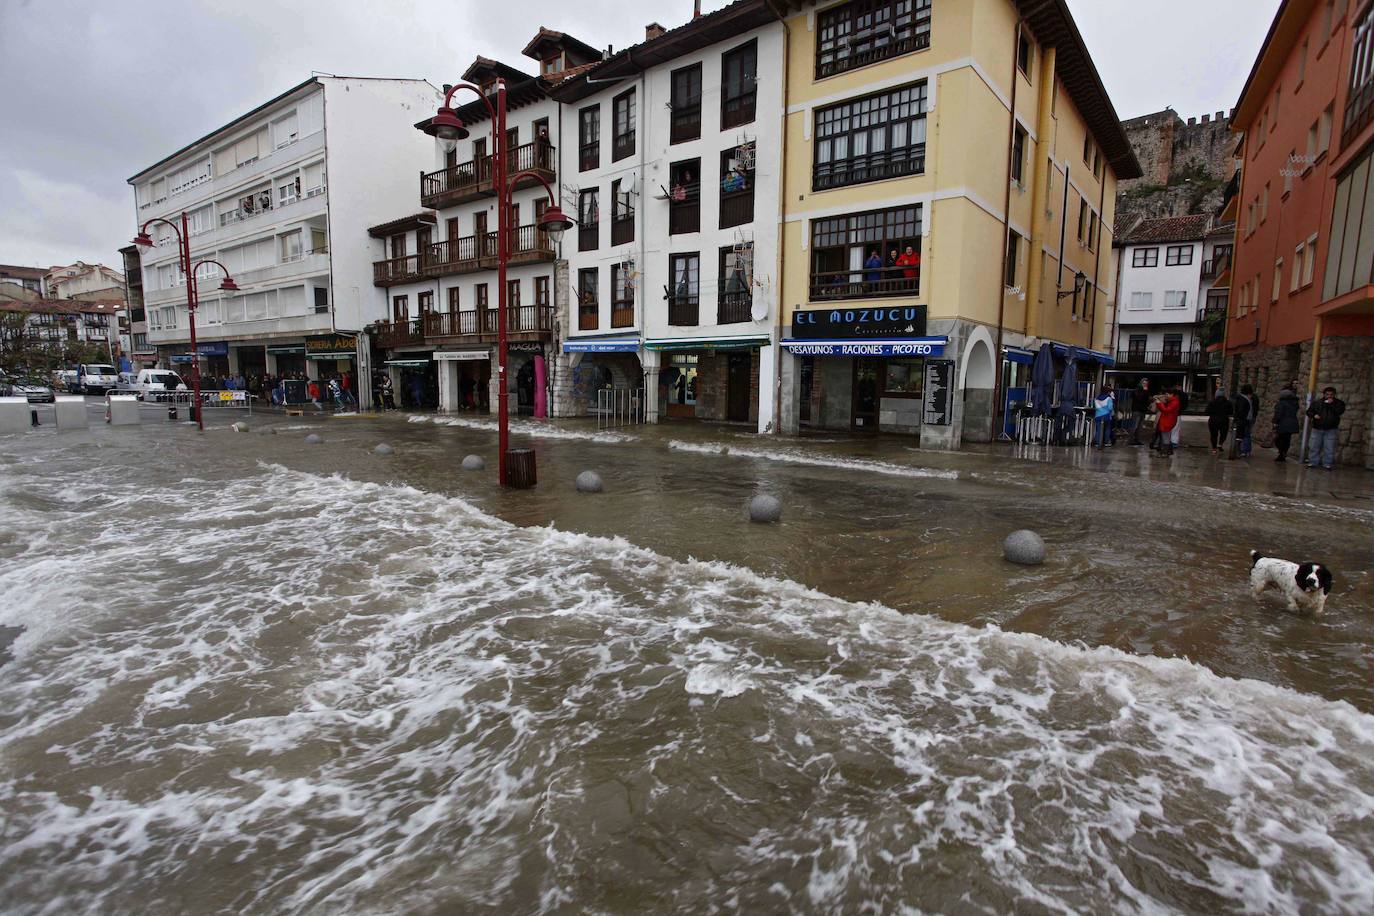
x,y
448,129
188,270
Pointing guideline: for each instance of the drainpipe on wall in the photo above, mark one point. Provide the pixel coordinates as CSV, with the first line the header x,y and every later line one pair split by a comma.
x,y
782,221
1006,237
1097,262
1035,268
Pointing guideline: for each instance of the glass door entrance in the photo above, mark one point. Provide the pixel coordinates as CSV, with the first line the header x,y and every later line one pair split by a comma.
x,y
868,386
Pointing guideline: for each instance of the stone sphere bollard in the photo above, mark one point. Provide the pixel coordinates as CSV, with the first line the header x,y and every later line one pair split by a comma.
x,y
1024,547
314,439
765,509
589,482
240,427
383,449
474,463
268,431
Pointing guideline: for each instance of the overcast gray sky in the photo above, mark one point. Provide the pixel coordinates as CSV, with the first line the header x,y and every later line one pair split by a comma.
x,y
96,90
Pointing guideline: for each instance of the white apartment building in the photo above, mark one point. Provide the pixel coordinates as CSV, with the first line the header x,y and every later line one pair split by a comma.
x,y
435,269
257,196
1162,300
672,170
84,281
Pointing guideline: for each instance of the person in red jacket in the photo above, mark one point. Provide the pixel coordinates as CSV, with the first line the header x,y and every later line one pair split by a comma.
x,y
1168,419
911,262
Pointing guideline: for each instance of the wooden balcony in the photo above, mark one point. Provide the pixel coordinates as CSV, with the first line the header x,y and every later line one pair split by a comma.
x,y
528,245
392,334
452,256
524,322
396,270
733,308
1164,360
683,311
468,181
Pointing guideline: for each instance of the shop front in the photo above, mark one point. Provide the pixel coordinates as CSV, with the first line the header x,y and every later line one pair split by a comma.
x,y
464,379
332,355
286,360
869,370
715,379
252,360
593,365
414,380
529,369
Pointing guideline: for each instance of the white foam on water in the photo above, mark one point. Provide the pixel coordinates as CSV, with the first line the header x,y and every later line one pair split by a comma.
x,y
826,461
331,695
524,428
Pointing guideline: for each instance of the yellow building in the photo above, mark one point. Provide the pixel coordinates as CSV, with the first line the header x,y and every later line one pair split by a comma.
x,y
925,227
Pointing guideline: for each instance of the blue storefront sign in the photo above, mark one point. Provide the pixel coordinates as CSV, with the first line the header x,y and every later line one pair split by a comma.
x,y
923,346
859,323
217,348
600,346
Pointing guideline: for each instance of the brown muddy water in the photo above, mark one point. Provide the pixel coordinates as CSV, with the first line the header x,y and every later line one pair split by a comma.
x,y
256,674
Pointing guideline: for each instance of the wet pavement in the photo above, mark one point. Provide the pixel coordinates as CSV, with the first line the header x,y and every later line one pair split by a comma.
x,y
257,673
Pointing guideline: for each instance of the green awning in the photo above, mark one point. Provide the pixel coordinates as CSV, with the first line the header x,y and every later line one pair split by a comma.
x,y
707,343
287,350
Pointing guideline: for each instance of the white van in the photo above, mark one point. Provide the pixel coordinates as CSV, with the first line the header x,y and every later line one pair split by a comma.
x,y
96,378
151,381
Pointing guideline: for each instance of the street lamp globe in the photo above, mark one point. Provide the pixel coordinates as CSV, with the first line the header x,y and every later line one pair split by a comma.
x,y
446,127
228,285
143,242
555,222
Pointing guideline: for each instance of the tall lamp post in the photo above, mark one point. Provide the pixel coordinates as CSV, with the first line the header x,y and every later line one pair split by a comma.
x,y
448,128
188,270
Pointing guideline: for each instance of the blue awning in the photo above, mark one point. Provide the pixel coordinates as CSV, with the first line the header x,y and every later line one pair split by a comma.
x,y
911,346
1082,354
601,346
1018,355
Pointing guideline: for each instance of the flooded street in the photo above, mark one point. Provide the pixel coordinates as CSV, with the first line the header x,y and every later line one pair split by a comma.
x,y
253,674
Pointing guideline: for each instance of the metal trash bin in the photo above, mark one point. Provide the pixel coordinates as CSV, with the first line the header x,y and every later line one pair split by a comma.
x,y
71,412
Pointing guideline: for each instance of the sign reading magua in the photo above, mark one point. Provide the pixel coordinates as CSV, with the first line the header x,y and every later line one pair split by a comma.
x,y
330,346
857,323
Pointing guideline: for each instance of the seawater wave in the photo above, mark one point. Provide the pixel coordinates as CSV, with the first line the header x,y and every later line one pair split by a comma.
x,y
328,695
816,460
523,427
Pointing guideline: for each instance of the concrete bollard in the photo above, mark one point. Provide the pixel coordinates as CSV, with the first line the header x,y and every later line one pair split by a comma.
x,y
765,509
14,415
122,410
239,426
71,412
313,439
1024,547
474,463
383,449
589,482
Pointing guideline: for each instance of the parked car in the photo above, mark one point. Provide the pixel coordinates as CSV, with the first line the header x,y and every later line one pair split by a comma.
x,y
31,388
65,379
152,381
127,383
96,378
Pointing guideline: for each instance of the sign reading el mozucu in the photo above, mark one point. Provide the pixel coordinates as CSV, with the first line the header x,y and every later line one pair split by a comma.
x,y
851,324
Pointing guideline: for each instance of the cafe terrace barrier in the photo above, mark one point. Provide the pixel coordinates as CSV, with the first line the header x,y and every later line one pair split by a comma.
x,y
14,415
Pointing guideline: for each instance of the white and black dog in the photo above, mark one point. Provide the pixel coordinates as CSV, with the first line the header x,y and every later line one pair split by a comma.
x,y
1303,584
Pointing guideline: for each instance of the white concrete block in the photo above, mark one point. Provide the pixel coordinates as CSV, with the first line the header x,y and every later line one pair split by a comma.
x,y
14,415
71,412
123,410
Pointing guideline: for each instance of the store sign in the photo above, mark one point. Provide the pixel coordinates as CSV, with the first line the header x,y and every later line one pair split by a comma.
x,y
331,346
600,346
930,346
845,324
939,372
219,348
525,346
451,356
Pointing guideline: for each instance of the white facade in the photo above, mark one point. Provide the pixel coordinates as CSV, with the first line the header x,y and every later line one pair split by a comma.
x,y
81,279
257,196
658,177
1160,289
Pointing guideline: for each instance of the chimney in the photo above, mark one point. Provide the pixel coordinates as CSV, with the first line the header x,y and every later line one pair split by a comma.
x,y
653,30
1206,119
447,87
1221,116
696,9
1192,122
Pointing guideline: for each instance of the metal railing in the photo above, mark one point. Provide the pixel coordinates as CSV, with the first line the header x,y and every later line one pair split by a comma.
x,y
1160,358
520,319
683,311
685,123
396,270
873,166
622,230
865,283
617,407
622,316
732,308
400,333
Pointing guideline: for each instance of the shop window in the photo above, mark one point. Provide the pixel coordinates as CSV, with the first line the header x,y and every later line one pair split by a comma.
x,y
905,378
870,139
680,378
862,255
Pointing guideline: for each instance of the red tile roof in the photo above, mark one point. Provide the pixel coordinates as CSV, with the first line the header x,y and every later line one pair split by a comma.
x,y
1170,229
62,306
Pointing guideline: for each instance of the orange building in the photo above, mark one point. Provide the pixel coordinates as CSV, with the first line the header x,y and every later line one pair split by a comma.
x,y
1301,282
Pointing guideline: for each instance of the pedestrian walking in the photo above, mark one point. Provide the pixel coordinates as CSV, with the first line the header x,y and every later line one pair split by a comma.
x,y
1169,407
1244,406
313,389
1326,426
1104,409
1219,411
1285,421
388,398
346,385
336,393
1140,406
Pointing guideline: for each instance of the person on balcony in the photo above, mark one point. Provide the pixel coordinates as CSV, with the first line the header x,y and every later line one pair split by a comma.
x,y
874,266
910,262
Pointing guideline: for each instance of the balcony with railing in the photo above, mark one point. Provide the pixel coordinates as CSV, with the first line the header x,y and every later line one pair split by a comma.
x,y
873,166
685,123
684,311
733,308
396,270
528,245
523,322
684,208
468,181
1215,266
623,230
404,333
452,256
865,283
1160,359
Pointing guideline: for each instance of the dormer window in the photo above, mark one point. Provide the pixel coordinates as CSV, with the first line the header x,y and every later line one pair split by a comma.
x,y
552,64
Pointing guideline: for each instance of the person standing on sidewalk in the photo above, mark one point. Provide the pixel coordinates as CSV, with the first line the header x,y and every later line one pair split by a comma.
x,y
1326,427
1104,409
1140,406
1243,408
1285,421
1169,408
1218,420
